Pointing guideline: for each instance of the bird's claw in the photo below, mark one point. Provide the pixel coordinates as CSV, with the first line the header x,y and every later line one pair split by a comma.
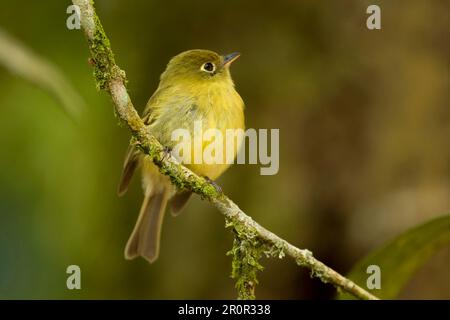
x,y
166,151
214,184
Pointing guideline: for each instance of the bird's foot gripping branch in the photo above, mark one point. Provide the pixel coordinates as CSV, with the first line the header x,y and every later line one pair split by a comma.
x,y
252,241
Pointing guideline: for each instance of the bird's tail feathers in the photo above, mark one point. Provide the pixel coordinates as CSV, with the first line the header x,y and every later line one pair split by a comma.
x,y
145,238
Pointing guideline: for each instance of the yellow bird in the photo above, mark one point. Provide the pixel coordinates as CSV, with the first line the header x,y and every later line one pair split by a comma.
x,y
196,86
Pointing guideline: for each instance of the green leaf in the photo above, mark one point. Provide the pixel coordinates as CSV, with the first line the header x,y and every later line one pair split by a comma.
x,y
23,62
402,257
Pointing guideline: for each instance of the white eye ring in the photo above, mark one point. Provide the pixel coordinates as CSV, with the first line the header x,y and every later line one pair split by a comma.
x,y
208,67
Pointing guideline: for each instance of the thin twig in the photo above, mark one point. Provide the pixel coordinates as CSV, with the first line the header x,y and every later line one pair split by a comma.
x,y
112,79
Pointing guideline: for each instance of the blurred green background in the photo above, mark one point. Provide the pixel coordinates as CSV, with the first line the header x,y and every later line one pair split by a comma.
x,y
364,124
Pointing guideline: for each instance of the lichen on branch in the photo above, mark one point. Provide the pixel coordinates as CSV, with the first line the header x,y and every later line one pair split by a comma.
x,y
246,253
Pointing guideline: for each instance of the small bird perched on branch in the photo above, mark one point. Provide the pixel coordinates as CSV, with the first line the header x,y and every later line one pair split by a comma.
x,y
196,86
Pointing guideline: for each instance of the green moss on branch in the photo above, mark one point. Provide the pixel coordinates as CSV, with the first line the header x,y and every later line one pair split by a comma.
x,y
246,253
105,67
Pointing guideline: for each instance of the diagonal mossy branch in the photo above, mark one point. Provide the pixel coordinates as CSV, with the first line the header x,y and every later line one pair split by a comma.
x,y
252,241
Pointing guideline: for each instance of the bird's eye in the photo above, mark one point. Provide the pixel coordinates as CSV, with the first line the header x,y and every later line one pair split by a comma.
x,y
209,67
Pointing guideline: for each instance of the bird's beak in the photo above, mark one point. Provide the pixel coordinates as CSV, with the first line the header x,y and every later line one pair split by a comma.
x,y
230,58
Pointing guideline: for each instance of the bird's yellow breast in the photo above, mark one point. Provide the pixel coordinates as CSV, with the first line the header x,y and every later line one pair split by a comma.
x,y
221,108
215,106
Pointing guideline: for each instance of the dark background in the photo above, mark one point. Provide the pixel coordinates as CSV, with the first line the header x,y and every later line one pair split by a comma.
x,y
364,124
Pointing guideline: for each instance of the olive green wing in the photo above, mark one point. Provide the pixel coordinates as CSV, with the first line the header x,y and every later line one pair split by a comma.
x,y
132,157
154,107
164,112
129,166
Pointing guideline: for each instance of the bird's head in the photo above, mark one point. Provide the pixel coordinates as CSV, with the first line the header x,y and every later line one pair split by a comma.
x,y
199,67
